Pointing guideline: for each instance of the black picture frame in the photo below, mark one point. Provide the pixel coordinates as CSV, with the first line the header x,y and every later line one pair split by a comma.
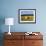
x,y
26,16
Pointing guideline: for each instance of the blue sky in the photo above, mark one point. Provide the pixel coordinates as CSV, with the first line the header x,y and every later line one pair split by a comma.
x,y
26,12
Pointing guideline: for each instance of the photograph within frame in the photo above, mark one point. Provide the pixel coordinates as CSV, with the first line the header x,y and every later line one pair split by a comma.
x,y
27,15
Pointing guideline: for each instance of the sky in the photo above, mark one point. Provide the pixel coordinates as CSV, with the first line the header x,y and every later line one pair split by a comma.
x,y
26,12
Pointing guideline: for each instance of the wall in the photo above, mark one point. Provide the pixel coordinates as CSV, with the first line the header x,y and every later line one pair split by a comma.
x,y
9,8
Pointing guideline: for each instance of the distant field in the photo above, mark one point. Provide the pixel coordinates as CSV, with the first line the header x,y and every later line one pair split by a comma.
x,y
27,17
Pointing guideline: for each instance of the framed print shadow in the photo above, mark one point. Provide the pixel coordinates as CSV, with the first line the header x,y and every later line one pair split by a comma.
x,y
27,16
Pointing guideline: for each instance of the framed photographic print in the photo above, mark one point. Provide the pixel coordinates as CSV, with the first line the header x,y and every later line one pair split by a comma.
x,y
27,16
